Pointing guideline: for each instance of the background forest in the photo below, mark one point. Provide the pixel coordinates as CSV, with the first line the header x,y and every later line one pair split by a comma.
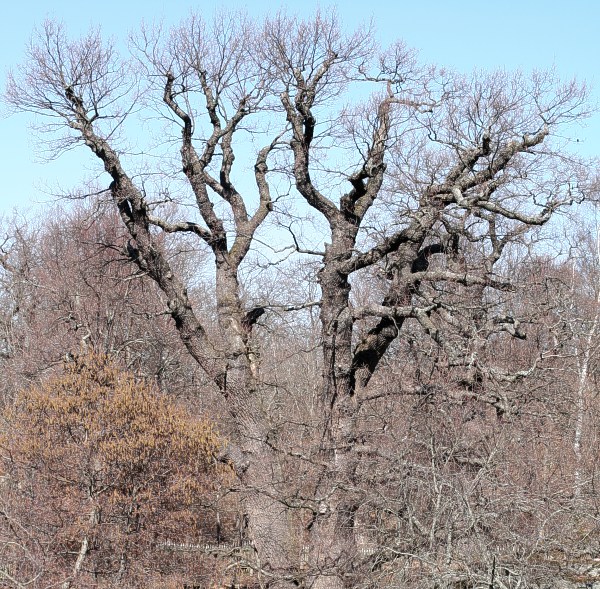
x,y
334,325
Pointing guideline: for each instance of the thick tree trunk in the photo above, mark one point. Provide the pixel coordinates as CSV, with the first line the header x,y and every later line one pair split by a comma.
x,y
257,467
332,536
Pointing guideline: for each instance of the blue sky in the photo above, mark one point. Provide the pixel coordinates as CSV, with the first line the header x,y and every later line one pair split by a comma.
x,y
459,34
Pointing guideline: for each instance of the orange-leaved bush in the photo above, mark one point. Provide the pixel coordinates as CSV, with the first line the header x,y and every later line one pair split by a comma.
x,y
100,469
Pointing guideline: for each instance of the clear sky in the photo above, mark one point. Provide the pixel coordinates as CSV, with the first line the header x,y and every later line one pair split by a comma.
x,y
459,34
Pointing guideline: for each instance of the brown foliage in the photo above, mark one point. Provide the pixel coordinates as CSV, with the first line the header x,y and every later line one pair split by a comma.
x,y
99,470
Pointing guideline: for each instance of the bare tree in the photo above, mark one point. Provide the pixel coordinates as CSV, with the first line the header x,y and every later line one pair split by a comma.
x,y
420,190
67,284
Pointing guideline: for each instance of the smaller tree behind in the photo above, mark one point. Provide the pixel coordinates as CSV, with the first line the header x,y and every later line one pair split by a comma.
x,y
99,471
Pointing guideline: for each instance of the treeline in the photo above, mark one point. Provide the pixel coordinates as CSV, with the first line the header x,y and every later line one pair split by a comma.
x,y
114,445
